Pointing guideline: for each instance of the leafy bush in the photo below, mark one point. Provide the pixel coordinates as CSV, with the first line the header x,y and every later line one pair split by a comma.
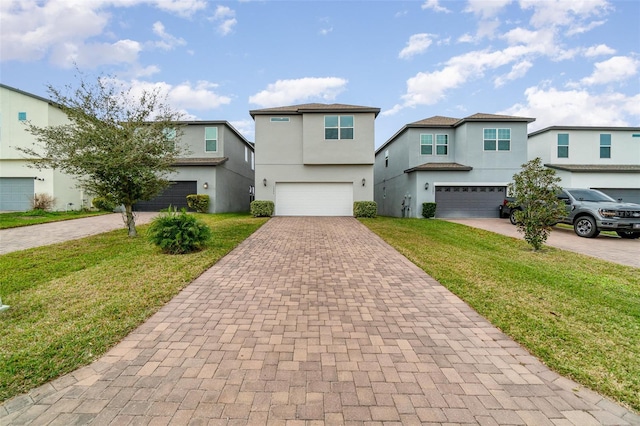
x,y
365,209
428,210
178,233
103,204
262,208
198,202
42,202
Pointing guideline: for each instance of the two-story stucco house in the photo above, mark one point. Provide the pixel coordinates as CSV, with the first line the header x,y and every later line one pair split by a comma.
x,y
604,158
18,182
315,159
219,163
464,165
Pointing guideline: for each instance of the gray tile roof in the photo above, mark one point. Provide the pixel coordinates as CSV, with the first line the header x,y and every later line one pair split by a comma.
x,y
437,120
596,168
314,107
440,167
214,161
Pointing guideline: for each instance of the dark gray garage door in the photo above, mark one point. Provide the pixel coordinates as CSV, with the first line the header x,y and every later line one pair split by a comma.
x,y
175,196
627,195
468,201
16,193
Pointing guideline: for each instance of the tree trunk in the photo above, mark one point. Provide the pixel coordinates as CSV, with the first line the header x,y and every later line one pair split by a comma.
x,y
130,220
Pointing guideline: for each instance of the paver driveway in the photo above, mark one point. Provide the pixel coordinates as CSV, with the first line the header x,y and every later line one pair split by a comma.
x,y
316,321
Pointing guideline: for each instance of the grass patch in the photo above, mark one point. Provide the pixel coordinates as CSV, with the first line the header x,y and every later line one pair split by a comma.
x,y
579,315
34,217
71,302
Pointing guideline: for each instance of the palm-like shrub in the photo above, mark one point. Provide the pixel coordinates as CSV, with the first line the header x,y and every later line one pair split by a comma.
x,y
178,233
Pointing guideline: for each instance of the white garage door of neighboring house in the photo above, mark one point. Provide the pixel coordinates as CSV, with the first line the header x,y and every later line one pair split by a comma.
x,y
16,193
468,201
314,199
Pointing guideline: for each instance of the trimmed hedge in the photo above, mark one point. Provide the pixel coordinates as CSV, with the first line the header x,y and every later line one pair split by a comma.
x,y
198,202
428,210
365,209
262,208
103,204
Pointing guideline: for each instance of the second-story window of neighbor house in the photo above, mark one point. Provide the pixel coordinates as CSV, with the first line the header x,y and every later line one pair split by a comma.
x,y
442,144
169,136
210,139
497,139
386,158
22,116
605,145
279,119
426,144
563,145
338,127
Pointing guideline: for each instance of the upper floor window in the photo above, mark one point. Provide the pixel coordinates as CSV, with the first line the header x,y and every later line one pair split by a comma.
x,y
279,119
605,145
338,127
210,139
253,161
22,116
426,144
169,137
497,139
563,145
442,144
386,158
246,154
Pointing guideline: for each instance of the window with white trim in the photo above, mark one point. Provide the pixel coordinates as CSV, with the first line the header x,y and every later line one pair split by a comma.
x,y
426,144
497,139
563,145
246,154
279,119
386,158
605,145
253,161
22,116
338,127
442,144
210,139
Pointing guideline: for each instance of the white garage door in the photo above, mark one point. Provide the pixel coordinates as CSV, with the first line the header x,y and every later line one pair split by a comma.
x,y
314,199
16,193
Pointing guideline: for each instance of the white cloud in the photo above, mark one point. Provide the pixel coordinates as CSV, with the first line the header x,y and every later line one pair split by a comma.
x,y
570,13
36,29
601,49
435,6
224,16
519,70
167,41
245,127
486,9
286,92
551,106
418,43
615,69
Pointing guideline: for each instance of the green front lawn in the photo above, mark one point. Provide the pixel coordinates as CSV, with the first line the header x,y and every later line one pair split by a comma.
x,y
71,302
579,315
33,217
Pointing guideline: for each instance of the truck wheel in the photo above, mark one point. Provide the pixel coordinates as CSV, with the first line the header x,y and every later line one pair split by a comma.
x,y
628,234
512,217
585,226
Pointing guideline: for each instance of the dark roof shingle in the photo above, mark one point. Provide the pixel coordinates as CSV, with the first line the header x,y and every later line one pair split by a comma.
x,y
440,167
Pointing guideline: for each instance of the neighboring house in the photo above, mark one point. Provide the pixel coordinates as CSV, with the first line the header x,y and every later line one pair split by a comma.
x,y
18,182
219,163
464,165
315,159
604,158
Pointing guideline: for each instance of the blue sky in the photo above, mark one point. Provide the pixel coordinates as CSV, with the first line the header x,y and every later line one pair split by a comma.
x,y
562,62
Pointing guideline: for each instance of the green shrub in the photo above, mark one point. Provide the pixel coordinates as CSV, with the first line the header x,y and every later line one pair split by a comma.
x,y
428,210
262,208
198,202
103,204
178,233
365,209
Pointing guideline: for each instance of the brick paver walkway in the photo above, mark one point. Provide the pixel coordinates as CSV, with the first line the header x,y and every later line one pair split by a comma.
x,y
315,321
26,237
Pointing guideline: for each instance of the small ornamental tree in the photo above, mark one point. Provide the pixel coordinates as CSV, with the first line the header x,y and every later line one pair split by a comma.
x,y
119,146
535,189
